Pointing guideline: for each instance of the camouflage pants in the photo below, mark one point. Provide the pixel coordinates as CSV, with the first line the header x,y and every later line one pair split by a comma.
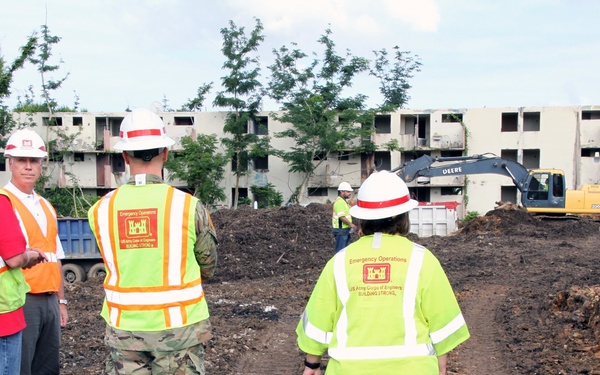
x,y
177,362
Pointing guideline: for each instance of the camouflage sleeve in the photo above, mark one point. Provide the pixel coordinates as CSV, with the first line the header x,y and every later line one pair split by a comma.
x,y
205,248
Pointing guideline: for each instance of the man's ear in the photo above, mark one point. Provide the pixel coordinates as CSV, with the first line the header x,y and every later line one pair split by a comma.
x,y
126,157
165,154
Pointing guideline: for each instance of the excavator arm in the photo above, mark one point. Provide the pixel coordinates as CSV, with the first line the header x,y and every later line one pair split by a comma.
x,y
427,166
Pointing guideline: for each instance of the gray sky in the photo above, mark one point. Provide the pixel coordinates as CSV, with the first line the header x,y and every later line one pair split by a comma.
x,y
476,53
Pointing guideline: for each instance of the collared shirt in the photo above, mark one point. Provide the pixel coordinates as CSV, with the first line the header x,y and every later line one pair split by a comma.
x,y
32,202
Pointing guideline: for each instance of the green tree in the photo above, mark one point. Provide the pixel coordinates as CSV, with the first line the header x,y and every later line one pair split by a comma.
x,y
200,166
394,77
6,76
44,66
267,196
242,96
195,104
71,201
323,120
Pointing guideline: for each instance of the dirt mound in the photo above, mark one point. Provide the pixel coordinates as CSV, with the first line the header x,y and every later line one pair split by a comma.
x,y
528,288
262,243
510,221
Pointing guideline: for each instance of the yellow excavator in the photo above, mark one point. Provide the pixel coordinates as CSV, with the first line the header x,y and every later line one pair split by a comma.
x,y
542,190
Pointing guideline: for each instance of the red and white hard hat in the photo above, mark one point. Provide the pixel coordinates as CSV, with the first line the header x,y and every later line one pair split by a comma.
x,y
142,129
382,195
25,143
344,186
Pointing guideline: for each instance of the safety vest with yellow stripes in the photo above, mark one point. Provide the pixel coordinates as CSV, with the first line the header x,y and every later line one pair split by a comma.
x,y
43,277
341,208
382,305
153,282
12,284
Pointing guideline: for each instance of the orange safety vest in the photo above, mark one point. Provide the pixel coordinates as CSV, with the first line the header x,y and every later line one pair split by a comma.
x,y
43,277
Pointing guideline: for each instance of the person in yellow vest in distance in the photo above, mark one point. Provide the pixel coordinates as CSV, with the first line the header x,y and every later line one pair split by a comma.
x,y
13,288
341,221
45,307
382,305
157,243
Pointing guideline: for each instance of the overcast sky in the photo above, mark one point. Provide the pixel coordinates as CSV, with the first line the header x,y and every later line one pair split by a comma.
x,y
475,53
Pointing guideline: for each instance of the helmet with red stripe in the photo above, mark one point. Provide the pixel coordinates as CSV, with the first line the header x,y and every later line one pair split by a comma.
x,y
142,129
25,143
382,195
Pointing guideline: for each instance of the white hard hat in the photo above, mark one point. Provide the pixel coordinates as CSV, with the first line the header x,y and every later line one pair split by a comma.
x,y
25,143
344,186
142,129
382,195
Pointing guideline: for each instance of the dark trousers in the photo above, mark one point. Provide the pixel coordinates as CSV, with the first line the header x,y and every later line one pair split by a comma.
x,y
41,337
342,238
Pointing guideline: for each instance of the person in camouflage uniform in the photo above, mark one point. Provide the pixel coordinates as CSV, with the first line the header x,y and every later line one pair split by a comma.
x,y
158,243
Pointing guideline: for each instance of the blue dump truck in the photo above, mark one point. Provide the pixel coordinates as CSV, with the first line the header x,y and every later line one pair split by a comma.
x,y
82,257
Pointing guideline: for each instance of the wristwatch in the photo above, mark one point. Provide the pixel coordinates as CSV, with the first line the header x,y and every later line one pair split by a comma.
x,y
312,366
62,301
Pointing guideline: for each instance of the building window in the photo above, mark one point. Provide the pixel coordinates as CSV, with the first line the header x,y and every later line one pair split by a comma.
x,y
383,124
2,164
320,156
77,121
451,153
408,156
55,156
531,159
590,152
117,163
242,196
590,115
78,156
408,123
54,121
261,163
451,190
452,117
508,194
183,120
260,125
243,159
111,123
421,194
509,155
383,160
531,122
344,155
317,192
510,122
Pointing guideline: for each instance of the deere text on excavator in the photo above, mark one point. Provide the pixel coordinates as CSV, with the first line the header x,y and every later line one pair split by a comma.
x,y
542,190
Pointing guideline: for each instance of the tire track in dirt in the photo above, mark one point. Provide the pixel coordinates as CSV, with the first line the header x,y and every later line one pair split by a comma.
x,y
481,353
275,351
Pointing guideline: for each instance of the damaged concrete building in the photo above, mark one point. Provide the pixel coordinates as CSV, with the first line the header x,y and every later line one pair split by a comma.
x,y
566,138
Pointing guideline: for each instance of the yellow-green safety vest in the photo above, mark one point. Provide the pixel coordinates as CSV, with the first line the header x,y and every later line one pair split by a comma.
x,y
341,208
382,303
13,286
146,236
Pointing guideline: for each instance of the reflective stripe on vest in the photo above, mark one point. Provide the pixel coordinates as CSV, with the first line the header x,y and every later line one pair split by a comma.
x,y
175,293
43,277
409,349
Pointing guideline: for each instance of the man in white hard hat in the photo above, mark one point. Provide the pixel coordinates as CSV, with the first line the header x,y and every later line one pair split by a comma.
x,y
157,243
45,307
382,305
341,221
